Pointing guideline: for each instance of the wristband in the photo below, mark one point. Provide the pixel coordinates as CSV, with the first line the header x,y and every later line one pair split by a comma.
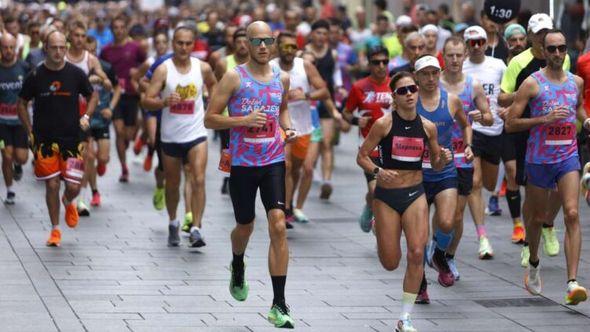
x,y
86,116
586,124
354,121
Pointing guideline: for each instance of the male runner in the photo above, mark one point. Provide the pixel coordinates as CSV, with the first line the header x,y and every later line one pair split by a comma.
x,y
258,158
55,135
555,99
180,81
13,137
306,85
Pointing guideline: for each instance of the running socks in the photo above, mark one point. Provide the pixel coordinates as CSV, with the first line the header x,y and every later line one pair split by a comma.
x,y
481,231
278,289
547,225
513,200
175,223
534,264
237,262
408,300
443,240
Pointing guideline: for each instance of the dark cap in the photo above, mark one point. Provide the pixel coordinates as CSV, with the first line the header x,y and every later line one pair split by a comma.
x,y
319,24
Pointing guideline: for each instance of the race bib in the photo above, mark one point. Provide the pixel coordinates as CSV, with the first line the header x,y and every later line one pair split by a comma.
x,y
426,158
458,147
407,148
560,134
184,107
75,168
264,134
225,161
8,110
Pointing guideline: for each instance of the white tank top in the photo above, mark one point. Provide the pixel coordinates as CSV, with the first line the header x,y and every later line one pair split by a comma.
x,y
184,122
83,64
300,110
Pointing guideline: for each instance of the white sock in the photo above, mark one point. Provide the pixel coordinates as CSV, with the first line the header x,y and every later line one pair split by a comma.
x,y
54,227
9,189
194,228
408,300
175,223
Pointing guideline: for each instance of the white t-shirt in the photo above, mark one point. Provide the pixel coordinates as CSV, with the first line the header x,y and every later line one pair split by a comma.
x,y
489,74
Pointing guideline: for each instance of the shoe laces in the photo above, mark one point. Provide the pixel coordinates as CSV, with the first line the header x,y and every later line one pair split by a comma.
x,y
283,308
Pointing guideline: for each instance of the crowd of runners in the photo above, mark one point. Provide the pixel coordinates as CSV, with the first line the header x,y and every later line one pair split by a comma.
x,y
443,110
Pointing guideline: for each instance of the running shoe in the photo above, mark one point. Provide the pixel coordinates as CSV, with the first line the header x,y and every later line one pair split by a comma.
x,y
493,209
289,222
101,169
326,191
532,280
124,178
17,173
147,162
95,199
429,252
238,286
365,219
54,238
158,199
525,254
575,293
405,325
188,222
71,215
422,297
587,197
453,268
485,248
300,216
138,145
9,198
173,236
445,276
280,317
225,186
83,210
196,239
503,189
290,218
550,242
518,234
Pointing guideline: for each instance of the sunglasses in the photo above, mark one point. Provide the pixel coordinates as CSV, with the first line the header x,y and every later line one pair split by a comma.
x,y
288,48
379,62
258,41
404,90
477,42
553,48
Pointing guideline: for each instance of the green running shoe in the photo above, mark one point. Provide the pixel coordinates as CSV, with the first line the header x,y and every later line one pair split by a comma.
x,y
365,219
280,317
525,254
158,199
550,242
238,286
188,222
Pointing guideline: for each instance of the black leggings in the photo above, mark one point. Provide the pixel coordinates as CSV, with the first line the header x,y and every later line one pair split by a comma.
x,y
399,199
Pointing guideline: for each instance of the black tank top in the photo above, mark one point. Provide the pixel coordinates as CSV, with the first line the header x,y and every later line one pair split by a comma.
x,y
325,67
403,146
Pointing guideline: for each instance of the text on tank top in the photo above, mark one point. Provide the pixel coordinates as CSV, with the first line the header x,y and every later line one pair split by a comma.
x,y
553,142
403,147
468,102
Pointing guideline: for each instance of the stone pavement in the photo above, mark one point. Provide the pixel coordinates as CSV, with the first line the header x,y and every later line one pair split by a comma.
x,y
114,272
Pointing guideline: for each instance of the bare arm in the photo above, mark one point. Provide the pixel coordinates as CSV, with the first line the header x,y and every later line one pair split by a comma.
x,y
208,77
23,114
376,134
284,119
152,101
456,107
580,111
320,91
483,115
514,121
220,69
438,157
506,99
95,66
138,77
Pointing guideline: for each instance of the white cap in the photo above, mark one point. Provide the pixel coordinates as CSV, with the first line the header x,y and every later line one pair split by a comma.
x,y
428,28
475,32
539,22
426,61
403,20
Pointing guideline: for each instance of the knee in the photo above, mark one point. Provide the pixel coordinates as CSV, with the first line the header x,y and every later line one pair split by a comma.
x,y
390,264
477,183
103,159
415,255
244,230
7,158
571,215
53,185
199,181
308,170
277,226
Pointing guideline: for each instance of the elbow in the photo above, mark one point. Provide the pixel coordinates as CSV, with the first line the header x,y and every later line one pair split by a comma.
x,y
509,127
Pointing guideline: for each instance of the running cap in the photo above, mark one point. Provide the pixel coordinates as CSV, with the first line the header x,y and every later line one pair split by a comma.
x,y
460,27
539,22
428,28
403,20
426,61
513,29
475,32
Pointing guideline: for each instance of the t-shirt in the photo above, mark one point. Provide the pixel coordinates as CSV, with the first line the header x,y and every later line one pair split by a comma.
x,y
583,70
11,82
123,58
103,37
35,57
55,109
500,51
489,74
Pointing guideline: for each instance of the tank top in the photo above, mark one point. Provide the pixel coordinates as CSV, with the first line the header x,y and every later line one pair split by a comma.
x,y
183,122
325,66
467,99
443,120
255,147
554,142
299,110
403,146
83,64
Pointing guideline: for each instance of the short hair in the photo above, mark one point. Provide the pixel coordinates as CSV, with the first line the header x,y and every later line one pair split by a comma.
x,y
335,22
319,24
77,24
285,34
376,50
121,17
551,31
240,32
382,17
398,76
455,40
10,19
33,24
412,36
184,27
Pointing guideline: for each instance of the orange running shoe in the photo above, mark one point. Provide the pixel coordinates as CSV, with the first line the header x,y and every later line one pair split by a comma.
x,y
101,169
147,163
518,234
502,192
54,238
71,215
138,145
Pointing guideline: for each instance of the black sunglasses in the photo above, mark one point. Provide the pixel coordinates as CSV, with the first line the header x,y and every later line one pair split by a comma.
x,y
258,41
478,42
553,48
379,62
405,89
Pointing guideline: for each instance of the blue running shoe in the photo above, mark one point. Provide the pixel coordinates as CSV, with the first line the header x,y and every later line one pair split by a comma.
x,y
429,252
453,268
365,219
493,208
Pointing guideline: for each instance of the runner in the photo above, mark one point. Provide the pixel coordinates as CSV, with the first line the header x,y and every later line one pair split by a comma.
x,y
400,202
555,99
55,135
13,137
257,154
519,68
99,141
515,37
306,85
180,81
370,99
443,109
476,109
124,54
414,46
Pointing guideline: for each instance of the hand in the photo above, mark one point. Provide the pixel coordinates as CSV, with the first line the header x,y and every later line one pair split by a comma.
x,y
32,142
476,115
558,113
387,175
106,113
256,119
363,121
296,94
503,113
446,156
468,154
290,135
344,125
107,85
343,92
338,116
84,124
172,100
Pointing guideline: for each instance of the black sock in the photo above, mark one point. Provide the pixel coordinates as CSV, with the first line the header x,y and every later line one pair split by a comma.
x,y
278,289
94,191
513,199
525,244
449,256
534,264
424,283
571,280
151,150
439,254
547,225
238,262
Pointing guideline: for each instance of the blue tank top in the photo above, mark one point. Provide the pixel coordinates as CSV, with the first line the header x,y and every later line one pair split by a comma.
x,y
467,99
443,120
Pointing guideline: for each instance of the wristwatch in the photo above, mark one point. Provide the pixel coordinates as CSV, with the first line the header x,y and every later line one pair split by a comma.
x,y
86,116
376,170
